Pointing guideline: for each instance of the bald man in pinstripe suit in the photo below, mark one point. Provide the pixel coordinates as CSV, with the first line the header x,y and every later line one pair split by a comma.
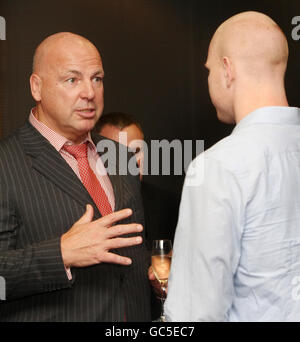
x,y
63,260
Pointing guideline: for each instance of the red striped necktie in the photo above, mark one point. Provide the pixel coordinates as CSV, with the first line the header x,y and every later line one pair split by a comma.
x,y
88,177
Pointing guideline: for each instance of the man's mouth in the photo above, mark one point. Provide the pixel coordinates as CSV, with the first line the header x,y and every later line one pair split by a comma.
x,y
86,112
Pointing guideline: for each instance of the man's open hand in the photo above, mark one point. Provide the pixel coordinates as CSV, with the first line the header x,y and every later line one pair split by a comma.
x,y
89,242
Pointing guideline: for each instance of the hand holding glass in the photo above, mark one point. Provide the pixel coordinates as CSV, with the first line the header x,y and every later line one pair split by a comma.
x,y
161,263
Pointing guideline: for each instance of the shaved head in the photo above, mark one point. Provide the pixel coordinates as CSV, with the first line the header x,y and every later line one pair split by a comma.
x,y
248,57
253,39
56,43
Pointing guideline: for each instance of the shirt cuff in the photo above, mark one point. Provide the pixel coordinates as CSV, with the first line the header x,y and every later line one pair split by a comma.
x,y
69,274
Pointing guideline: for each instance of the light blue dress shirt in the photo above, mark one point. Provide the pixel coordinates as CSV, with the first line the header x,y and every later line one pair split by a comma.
x,y
237,245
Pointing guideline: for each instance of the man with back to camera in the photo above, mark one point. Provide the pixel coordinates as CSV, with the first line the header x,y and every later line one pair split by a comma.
x,y
67,250
237,242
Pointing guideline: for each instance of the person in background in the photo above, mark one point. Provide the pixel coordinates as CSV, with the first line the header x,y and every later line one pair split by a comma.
x,y
160,206
237,243
66,230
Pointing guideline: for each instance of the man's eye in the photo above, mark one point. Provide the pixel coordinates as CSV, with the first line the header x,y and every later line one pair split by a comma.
x,y
98,79
71,80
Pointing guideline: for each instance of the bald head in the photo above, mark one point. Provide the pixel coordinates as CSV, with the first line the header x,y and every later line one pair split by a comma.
x,y
248,56
58,44
254,41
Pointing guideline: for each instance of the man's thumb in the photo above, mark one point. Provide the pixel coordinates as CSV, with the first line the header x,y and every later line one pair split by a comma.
x,y
87,216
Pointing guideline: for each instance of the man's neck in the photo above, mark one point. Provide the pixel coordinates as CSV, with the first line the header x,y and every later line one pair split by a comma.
x,y
47,127
250,102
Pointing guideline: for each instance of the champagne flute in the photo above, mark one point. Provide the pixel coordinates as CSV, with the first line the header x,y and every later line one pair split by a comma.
x,y
161,263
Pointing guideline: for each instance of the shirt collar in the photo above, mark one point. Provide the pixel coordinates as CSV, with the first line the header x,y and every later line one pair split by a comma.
x,y
55,139
270,115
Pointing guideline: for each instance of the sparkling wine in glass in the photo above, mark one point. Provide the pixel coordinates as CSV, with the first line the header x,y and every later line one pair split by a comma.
x,y
161,263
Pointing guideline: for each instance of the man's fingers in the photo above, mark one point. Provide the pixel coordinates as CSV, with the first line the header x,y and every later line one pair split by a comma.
x,y
124,242
123,229
151,274
117,259
110,219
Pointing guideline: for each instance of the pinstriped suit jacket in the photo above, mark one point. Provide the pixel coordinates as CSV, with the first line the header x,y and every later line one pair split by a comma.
x,y
40,199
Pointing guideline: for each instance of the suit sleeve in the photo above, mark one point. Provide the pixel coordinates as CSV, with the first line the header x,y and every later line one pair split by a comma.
x,y
35,269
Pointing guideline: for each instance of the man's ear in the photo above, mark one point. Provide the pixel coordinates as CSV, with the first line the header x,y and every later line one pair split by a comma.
x,y
228,71
36,87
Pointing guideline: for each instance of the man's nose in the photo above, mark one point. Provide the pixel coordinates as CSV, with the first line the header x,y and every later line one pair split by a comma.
x,y
87,91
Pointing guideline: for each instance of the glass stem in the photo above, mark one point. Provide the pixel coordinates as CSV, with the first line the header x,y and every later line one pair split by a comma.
x,y
163,298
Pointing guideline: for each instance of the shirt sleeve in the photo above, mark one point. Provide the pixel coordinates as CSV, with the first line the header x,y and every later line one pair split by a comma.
x,y
207,244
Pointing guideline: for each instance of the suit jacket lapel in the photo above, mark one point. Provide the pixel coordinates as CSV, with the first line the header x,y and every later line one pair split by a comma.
x,y
114,178
48,162
118,189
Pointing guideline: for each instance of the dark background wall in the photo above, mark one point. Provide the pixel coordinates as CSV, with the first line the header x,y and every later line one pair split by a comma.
x,y
153,53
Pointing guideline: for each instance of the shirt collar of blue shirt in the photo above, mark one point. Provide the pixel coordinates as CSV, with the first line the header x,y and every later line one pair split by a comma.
x,y
270,115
